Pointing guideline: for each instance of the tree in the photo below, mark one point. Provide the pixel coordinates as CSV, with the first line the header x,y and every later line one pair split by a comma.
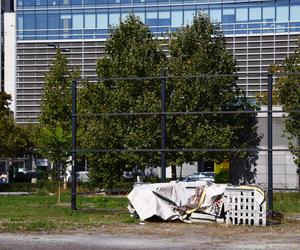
x,y
131,51
200,49
288,91
54,135
14,139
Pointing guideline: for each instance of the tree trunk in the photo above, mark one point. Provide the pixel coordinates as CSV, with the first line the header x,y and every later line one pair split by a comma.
x,y
174,174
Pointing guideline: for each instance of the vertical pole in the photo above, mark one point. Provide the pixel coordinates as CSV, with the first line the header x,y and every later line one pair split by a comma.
x,y
73,175
270,144
163,130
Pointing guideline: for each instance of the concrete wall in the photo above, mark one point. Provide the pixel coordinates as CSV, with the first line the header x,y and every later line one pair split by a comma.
x,y
10,57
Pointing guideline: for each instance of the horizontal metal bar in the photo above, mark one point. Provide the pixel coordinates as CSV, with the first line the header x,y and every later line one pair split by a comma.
x,y
97,79
185,113
157,150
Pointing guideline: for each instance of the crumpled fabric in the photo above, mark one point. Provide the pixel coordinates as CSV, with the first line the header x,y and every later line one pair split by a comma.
x,y
171,201
177,201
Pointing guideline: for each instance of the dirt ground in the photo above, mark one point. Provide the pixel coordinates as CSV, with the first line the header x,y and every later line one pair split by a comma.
x,y
161,236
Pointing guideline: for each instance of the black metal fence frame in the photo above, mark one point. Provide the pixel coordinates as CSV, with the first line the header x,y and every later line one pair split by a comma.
x,y
163,114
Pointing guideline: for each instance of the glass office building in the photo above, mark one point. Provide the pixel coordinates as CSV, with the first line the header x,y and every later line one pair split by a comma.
x,y
258,33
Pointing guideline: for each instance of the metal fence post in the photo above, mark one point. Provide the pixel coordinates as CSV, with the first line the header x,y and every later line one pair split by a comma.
x,y
163,130
73,175
270,143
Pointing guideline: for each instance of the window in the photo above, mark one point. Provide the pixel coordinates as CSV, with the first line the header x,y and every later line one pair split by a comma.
x,y
215,15
41,21
90,21
188,16
282,13
255,14
29,21
176,18
164,18
241,14
77,21
268,14
20,22
151,18
228,15
53,20
102,21
114,19
141,15
295,12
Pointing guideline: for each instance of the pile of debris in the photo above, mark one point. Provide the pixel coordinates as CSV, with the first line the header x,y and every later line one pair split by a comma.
x,y
199,201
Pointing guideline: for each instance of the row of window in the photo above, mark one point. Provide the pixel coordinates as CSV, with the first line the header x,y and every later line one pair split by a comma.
x,y
158,31
39,20
54,3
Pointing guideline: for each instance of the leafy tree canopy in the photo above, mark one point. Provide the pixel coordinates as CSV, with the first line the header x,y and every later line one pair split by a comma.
x,y
14,139
288,91
200,49
194,50
130,51
53,136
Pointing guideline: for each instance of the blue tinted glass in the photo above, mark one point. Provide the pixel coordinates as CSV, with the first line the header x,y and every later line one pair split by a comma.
x,y
102,21
215,15
176,18
295,12
76,2
89,2
41,21
90,21
269,14
141,15
282,13
228,15
101,2
255,14
188,17
20,21
29,21
164,18
77,21
41,2
53,20
29,2
114,19
151,18
53,2
241,14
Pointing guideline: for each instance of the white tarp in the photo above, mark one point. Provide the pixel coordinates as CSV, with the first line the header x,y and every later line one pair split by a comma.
x,y
171,201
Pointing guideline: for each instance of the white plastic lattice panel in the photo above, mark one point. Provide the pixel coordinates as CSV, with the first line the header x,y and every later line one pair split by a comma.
x,y
244,207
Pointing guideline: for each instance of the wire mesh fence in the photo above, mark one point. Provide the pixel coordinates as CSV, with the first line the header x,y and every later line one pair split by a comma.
x,y
163,116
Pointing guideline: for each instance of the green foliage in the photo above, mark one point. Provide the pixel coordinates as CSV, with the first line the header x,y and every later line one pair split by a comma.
x,y
53,136
14,139
289,96
194,50
57,96
130,51
200,49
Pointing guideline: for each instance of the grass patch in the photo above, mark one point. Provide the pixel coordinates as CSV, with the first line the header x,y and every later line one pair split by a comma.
x,y
40,212
287,202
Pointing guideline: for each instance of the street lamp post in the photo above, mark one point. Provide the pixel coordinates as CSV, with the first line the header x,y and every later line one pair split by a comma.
x,y
56,46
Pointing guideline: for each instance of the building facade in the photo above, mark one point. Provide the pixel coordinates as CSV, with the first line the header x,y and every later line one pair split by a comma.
x,y
258,33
